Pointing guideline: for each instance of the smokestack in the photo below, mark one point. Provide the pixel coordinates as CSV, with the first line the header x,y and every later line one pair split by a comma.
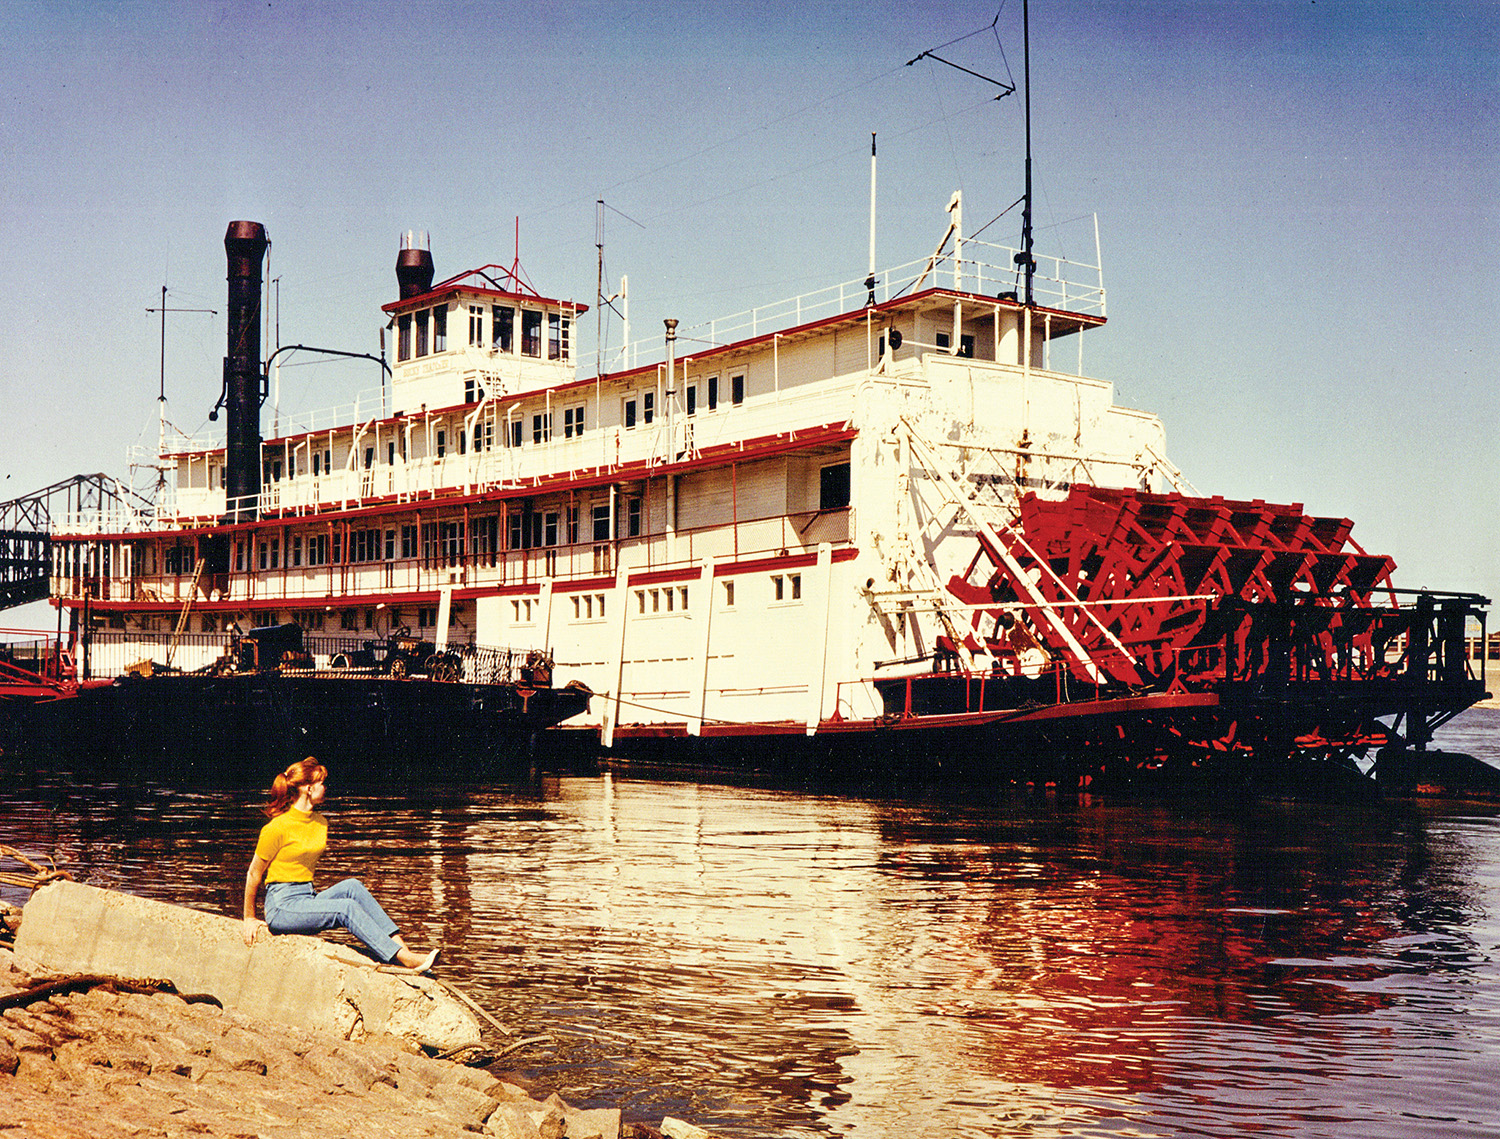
x,y
414,264
245,246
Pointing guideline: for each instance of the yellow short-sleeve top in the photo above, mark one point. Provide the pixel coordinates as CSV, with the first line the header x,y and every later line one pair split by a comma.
x,y
292,843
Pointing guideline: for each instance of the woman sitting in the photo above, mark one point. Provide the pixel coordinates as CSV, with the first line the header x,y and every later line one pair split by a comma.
x,y
285,857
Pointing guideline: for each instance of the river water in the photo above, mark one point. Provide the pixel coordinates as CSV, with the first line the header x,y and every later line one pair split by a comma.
x,y
768,962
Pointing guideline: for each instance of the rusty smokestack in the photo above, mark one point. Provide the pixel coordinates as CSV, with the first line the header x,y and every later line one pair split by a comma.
x,y
245,246
414,264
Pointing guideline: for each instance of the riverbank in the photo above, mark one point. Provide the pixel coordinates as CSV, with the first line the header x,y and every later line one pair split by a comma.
x,y
104,1061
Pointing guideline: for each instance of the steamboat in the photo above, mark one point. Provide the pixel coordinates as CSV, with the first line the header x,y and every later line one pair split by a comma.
x,y
882,528
890,527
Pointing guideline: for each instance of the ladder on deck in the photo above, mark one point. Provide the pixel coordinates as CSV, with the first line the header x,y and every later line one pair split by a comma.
x,y
187,606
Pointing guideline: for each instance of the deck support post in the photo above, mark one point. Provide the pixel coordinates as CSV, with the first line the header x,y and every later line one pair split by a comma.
x,y
610,714
444,608
698,697
819,680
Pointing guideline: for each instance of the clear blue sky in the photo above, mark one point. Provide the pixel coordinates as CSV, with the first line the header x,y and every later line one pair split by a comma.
x,y
1297,202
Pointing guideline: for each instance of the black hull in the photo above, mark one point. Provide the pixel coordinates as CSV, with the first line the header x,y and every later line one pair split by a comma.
x,y
1312,742
242,729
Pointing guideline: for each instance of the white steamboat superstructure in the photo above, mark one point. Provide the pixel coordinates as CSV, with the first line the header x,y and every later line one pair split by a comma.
x,y
887,519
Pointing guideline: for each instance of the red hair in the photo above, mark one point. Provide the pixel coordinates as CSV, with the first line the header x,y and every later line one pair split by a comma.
x,y
290,782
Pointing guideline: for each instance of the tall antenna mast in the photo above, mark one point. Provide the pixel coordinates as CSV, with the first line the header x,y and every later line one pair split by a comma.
x,y
870,280
1026,260
161,399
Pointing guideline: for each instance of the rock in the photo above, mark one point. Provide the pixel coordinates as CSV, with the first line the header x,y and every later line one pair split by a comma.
x,y
677,1129
300,981
462,1104
8,1058
596,1123
511,1121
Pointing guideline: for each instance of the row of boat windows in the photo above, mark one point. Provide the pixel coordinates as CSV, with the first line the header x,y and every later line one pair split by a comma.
x,y
523,529
636,410
312,620
659,599
425,332
444,542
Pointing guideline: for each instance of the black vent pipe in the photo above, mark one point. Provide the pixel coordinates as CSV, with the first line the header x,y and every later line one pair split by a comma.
x,y
245,245
414,264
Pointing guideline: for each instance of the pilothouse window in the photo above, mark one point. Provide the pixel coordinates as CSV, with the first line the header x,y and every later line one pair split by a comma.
x,y
403,337
531,332
504,327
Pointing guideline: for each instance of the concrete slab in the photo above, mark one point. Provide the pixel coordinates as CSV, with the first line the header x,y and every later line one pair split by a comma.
x,y
68,927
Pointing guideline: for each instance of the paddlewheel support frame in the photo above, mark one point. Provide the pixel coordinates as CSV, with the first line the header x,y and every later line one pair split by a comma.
x,y
1222,628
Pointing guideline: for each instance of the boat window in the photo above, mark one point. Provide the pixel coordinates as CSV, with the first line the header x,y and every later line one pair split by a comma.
x,y
648,406
633,517
442,443
503,328
531,332
628,415
692,399
736,390
713,392
515,433
369,457
541,428
786,588
476,326
462,442
557,336
403,337
421,349
833,487
440,329
729,595
572,421
572,525
601,522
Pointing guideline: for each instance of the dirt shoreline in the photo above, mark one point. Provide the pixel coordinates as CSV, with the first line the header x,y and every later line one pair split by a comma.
x,y
102,1064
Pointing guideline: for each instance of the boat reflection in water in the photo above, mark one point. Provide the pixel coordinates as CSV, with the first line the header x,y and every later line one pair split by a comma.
x,y
773,962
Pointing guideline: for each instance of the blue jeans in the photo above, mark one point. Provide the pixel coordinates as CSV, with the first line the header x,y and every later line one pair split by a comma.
x,y
294,907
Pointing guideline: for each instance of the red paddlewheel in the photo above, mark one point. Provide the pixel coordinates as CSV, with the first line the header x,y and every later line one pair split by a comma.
x,y
1191,588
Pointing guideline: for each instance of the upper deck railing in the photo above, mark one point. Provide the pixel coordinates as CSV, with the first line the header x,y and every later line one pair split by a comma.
x,y
976,267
